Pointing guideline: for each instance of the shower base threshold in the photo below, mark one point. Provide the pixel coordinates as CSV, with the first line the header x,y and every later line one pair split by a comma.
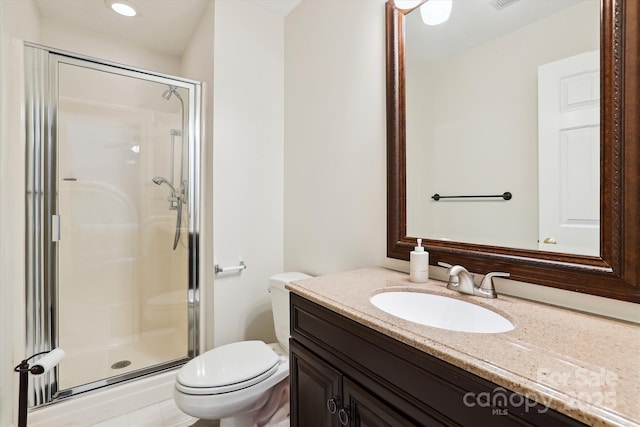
x,y
101,405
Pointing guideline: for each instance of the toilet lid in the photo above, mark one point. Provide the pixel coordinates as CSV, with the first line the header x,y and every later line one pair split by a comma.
x,y
229,364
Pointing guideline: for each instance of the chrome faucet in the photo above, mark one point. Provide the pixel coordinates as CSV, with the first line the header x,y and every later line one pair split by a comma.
x,y
462,281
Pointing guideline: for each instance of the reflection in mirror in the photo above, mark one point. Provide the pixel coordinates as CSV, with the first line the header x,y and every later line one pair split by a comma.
x,y
505,99
614,270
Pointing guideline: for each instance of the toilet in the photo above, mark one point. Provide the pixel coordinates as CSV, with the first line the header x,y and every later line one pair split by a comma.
x,y
234,382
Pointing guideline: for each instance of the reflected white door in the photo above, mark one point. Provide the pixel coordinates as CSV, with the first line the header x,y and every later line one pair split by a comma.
x,y
569,155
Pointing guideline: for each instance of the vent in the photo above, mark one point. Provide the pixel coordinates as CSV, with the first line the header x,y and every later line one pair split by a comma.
x,y
501,4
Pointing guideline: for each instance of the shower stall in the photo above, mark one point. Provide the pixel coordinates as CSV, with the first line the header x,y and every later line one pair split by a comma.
x,y
112,220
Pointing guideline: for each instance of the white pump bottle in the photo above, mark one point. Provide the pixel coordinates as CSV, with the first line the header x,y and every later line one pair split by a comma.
x,y
419,264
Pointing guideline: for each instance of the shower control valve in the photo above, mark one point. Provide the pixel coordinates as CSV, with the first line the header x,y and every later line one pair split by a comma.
x,y
173,202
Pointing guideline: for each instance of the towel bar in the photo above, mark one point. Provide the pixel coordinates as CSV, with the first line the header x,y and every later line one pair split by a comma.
x,y
239,267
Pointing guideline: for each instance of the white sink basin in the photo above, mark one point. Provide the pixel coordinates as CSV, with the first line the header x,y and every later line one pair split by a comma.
x,y
441,312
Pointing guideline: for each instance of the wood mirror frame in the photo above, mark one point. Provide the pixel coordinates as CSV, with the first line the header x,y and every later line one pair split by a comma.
x,y
616,272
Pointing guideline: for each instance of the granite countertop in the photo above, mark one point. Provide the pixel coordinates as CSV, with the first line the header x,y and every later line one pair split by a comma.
x,y
582,365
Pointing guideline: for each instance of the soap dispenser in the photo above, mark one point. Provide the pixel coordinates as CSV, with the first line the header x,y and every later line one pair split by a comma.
x,y
419,264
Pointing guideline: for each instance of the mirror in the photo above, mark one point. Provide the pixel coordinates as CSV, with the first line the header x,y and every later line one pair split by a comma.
x,y
610,270
504,100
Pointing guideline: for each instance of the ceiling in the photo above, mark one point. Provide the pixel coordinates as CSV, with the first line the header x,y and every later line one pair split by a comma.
x,y
472,23
161,25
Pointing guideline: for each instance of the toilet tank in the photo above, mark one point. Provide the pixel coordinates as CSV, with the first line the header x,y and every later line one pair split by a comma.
x,y
280,303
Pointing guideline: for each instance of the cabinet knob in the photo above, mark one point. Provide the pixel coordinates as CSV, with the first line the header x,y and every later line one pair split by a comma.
x,y
343,416
332,404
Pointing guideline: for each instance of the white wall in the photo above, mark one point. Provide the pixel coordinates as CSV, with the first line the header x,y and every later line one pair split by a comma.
x,y
61,36
18,19
247,166
334,170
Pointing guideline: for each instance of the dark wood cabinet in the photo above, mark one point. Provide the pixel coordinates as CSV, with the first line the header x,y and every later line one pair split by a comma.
x,y
318,386
344,373
364,409
326,398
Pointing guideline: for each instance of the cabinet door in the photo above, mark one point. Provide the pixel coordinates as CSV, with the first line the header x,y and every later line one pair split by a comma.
x,y
365,410
315,390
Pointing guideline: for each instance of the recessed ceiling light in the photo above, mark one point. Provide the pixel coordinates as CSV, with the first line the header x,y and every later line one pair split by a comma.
x,y
121,7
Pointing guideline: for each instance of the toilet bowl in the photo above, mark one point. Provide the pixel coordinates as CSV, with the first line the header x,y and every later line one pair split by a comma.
x,y
233,382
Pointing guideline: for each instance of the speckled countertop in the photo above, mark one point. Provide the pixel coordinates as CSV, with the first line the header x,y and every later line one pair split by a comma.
x,y
585,366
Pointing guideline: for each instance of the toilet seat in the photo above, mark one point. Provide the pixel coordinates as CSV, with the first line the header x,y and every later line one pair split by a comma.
x,y
228,368
226,388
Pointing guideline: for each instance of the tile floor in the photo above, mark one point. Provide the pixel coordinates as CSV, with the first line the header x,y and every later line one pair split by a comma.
x,y
163,414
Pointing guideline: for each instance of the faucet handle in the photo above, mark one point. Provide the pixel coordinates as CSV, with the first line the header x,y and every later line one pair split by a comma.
x,y
453,280
487,281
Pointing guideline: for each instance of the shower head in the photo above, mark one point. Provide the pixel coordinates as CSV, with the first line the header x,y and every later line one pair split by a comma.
x,y
158,180
172,90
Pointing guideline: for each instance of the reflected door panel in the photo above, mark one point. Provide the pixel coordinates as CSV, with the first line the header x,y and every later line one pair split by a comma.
x,y
569,155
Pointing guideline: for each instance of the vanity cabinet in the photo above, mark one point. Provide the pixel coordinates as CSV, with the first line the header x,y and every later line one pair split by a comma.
x,y
327,398
344,373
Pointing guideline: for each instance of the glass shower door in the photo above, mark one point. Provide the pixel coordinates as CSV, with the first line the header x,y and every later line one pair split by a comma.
x,y
121,173
122,289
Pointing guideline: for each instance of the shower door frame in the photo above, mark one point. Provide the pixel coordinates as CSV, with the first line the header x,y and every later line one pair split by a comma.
x,y
41,120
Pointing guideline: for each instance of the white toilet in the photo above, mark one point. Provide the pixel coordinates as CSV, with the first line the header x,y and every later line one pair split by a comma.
x,y
234,381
